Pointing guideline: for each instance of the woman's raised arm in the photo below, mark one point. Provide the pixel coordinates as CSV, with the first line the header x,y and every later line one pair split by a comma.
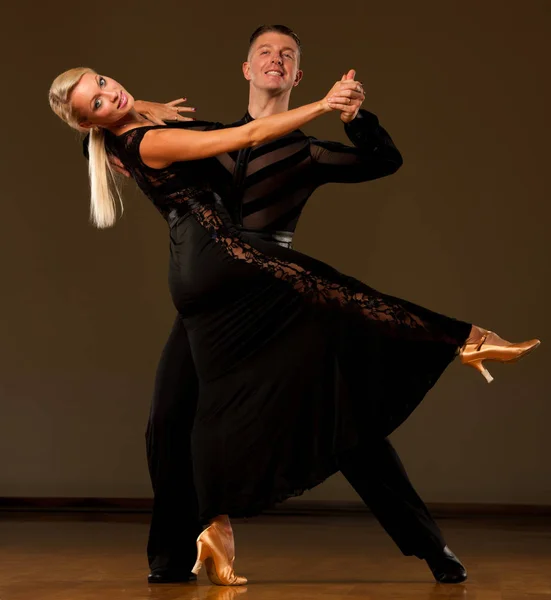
x,y
161,147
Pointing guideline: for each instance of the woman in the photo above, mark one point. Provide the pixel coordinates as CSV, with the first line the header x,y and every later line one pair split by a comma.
x,y
270,422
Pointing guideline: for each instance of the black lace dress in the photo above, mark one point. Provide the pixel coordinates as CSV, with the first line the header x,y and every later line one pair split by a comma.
x,y
296,361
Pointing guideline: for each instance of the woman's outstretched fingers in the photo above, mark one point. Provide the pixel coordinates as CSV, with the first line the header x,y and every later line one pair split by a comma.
x,y
159,113
176,102
180,109
185,109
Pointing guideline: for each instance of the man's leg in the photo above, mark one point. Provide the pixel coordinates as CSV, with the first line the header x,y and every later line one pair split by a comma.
x,y
377,474
174,526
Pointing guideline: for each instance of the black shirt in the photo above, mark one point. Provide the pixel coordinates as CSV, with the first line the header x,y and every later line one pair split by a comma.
x,y
272,182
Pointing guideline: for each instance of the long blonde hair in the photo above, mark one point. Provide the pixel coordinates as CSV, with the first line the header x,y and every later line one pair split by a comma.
x,y
104,191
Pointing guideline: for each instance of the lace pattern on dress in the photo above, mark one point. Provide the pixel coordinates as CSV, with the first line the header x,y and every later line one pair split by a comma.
x,y
316,288
164,187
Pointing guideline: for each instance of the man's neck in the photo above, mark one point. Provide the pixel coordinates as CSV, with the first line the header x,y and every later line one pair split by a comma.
x,y
263,104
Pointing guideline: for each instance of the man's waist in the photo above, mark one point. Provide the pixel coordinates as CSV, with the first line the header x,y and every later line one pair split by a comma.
x,y
283,238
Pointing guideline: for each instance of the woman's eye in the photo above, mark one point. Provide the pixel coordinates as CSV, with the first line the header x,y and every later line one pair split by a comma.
x,y
97,104
102,81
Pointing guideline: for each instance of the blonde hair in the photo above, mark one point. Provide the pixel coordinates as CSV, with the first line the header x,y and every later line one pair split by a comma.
x,y
104,191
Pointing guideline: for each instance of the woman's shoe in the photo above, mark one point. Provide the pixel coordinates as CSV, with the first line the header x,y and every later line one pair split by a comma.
x,y
212,553
473,354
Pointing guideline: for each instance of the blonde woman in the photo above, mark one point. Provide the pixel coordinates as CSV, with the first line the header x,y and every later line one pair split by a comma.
x,y
271,421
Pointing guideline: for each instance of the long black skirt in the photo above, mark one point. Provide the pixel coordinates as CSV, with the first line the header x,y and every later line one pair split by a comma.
x,y
297,363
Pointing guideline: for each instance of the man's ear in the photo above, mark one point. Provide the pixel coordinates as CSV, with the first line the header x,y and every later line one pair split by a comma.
x,y
298,78
246,71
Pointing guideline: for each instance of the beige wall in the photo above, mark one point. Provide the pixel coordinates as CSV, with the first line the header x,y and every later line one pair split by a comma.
x,y
463,87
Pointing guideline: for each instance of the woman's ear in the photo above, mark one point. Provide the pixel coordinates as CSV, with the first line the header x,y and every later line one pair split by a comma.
x,y
85,124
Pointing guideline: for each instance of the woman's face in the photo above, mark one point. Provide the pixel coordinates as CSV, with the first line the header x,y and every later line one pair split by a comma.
x,y
100,101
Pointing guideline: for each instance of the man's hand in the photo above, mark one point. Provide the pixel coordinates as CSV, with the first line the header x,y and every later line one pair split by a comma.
x,y
159,113
355,98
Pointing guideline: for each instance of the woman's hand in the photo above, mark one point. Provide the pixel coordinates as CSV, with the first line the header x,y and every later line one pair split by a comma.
x,y
160,113
351,110
347,96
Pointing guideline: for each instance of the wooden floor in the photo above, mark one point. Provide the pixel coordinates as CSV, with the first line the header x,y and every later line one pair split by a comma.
x,y
284,557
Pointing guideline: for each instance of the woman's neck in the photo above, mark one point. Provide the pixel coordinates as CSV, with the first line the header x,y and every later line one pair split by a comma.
x,y
131,120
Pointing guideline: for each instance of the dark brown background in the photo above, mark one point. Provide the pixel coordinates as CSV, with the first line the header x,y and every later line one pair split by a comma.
x,y
463,87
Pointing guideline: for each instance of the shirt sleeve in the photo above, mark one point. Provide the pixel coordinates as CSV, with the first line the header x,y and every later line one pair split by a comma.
x,y
373,155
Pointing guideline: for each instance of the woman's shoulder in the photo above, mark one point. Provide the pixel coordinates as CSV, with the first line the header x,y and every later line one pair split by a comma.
x,y
128,147
132,138
128,142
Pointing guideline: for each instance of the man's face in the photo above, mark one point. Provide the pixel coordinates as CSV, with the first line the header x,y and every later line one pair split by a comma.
x,y
273,63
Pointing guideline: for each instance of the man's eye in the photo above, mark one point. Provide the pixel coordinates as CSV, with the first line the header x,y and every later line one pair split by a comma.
x,y
97,104
264,52
288,55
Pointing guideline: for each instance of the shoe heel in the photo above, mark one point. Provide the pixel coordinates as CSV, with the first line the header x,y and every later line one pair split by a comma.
x,y
482,370
201,555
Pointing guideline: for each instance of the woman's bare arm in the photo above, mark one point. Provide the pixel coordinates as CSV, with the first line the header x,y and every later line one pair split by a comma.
x,y
161,147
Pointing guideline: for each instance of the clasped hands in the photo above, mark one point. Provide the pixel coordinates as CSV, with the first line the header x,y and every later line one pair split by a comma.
x,y
352,93
170,112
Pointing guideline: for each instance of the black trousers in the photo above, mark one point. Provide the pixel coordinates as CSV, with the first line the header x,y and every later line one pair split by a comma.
x,y
374,471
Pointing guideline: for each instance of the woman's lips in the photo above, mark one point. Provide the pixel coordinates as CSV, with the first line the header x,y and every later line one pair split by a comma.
x,y
123,101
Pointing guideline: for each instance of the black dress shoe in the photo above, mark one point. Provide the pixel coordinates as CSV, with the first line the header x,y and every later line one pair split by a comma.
x,y
170,577
446,567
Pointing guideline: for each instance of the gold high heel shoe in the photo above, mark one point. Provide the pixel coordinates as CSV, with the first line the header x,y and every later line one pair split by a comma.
x,y
473,354
212,554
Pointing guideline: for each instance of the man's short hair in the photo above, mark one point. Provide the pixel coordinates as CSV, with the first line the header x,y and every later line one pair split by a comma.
x,y
277,29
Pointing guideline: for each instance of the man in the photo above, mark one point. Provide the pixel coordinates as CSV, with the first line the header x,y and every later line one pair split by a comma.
x,y
265,189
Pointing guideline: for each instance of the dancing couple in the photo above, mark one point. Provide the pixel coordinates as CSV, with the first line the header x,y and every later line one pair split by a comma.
x,y
280,370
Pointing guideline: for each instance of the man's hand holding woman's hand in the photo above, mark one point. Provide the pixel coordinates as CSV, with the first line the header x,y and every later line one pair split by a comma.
x,y
347,95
